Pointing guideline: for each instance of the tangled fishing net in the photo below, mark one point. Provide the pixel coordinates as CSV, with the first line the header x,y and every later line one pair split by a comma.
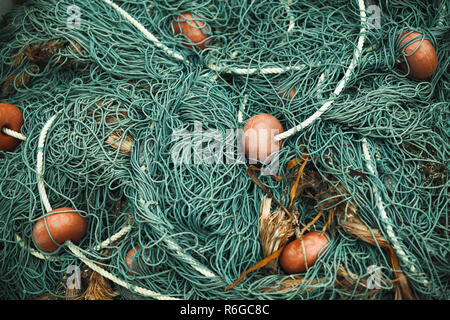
x,y
104,106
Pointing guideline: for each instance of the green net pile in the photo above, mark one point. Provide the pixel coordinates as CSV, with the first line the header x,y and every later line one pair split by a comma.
x,y
199,221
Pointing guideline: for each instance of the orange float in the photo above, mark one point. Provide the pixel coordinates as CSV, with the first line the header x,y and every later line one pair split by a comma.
x,y
11,118
63,224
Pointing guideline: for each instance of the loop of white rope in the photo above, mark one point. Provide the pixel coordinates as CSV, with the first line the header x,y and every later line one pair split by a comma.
x,y
341,84
102,245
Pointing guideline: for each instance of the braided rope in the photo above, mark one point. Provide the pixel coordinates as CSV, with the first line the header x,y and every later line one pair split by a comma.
x,y
341,84
250,71
398,246
240,111
139,290
289,13
147,33
14,134
183,256
40,163
113,238
102,245
190,260
73,248
35,252
213,67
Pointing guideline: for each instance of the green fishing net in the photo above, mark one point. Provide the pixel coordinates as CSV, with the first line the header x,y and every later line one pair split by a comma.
x,y
383,139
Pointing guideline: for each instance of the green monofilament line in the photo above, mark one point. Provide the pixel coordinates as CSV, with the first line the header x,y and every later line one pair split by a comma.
x,y
199,220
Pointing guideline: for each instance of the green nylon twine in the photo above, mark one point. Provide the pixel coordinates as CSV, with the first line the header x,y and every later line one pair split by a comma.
x,y
199,221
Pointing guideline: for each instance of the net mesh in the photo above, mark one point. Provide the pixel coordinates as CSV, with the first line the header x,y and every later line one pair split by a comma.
x,y
197,223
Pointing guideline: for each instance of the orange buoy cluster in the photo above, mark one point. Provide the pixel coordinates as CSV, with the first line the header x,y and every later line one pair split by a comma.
x,y
10,118
420,56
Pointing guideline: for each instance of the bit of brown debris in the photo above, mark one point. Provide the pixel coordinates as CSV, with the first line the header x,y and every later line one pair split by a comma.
x,y
345,280
40,54
275,230
115,139
290,284
17,80
433,172
45,296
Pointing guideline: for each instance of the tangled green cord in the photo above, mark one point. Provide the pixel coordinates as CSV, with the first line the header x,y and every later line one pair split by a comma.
x,y
200,221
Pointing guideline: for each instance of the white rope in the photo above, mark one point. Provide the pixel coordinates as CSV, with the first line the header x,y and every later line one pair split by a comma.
x,y
75,250
341,84
250,71
184,256
113,238
147,33
40,163
139,290
14,134
102,245
190,260
243,105
396,243
286,4
34,252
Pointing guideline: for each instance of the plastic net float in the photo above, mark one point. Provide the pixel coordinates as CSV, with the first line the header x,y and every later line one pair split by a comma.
x,y
224,150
